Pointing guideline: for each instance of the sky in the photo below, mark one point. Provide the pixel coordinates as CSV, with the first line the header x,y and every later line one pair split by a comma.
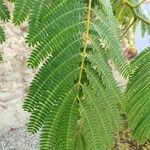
x,y
142,42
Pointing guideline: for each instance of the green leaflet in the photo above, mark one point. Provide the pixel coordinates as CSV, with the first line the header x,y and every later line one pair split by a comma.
x,y
98,114
1,58
22,10
138,95
74,97
59,29
2,39
4,16
61,133
4,13
35,19
101,29
2,35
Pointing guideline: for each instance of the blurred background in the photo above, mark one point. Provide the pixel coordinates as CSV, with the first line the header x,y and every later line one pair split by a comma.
x,y
143,42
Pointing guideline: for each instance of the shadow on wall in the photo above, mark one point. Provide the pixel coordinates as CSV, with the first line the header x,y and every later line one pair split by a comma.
x,y
142,42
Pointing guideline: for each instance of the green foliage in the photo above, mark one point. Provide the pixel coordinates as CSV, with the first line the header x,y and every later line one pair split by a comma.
x,y
138,95
1,58
4,13
4,16
40,13
75,82
22,10
2,35
74,99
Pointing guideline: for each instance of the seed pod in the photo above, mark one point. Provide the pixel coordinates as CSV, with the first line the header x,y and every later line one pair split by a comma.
x,y
130,53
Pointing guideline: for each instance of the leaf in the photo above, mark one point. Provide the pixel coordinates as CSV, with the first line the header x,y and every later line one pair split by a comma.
x,y
5,16
22,10
2,35
4,12
138,97
74,88
37,14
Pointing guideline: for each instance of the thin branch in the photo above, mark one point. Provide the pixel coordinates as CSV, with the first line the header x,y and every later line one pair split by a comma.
x,y
134,5
136,14
129,27
137,5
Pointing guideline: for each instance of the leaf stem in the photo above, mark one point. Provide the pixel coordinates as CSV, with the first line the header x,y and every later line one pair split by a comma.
x,y
86,41
129,27
137,5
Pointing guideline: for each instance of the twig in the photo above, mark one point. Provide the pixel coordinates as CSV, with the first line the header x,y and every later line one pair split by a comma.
x,y
137,5
135,13
129,26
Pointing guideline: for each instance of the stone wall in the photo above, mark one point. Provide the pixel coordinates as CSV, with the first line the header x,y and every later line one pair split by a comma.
x,y
14,77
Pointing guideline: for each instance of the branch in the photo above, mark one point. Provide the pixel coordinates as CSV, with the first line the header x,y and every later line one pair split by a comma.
x,y
137,5
129,27
132,7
